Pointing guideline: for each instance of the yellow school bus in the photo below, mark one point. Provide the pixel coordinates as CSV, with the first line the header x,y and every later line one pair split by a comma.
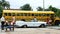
x,y
29,15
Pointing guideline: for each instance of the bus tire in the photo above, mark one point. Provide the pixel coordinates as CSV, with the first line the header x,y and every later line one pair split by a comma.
x,y
57,22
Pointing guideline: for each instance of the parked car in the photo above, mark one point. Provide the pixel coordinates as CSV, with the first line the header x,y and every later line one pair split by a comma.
x,y
30,24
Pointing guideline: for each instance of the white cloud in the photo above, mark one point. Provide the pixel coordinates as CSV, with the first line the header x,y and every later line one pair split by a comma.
x,y
34,3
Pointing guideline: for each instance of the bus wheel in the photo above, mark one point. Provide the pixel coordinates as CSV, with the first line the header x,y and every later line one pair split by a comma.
x,y
57,22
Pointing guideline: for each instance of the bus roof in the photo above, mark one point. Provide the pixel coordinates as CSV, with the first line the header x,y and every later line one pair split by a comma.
x,y
21,11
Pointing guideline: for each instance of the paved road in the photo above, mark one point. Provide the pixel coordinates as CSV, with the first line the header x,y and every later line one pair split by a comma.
x,y
32,31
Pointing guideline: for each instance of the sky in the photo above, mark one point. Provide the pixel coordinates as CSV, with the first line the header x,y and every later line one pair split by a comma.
x,y
16,4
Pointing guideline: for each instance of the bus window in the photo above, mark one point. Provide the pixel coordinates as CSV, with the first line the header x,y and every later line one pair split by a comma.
x,y
5,14
13,14
48,14
36,14
39,14
32,14
18,14
9,14
52,15
28,14
21,14
43,14
24,14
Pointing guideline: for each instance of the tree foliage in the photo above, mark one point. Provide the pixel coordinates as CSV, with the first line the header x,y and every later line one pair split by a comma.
x,y
58,13
5,4
1,9
26,7
39,9
56,10
47,9
51,8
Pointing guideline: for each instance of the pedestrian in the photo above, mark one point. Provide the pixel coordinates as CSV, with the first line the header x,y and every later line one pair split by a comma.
x,y
35,19
13,22
50,22
47,20
2,22
7,25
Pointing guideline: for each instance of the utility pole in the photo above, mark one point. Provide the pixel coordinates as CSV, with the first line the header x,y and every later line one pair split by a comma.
x,y
43,5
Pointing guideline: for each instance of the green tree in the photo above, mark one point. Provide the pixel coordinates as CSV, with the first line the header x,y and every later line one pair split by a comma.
x,y
39,9
5,4
56,10
26,7
0,3
47,9
52,8
58,13
1,9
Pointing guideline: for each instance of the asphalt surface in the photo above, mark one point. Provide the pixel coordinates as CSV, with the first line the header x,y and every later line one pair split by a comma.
x,y
47,30
32,31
